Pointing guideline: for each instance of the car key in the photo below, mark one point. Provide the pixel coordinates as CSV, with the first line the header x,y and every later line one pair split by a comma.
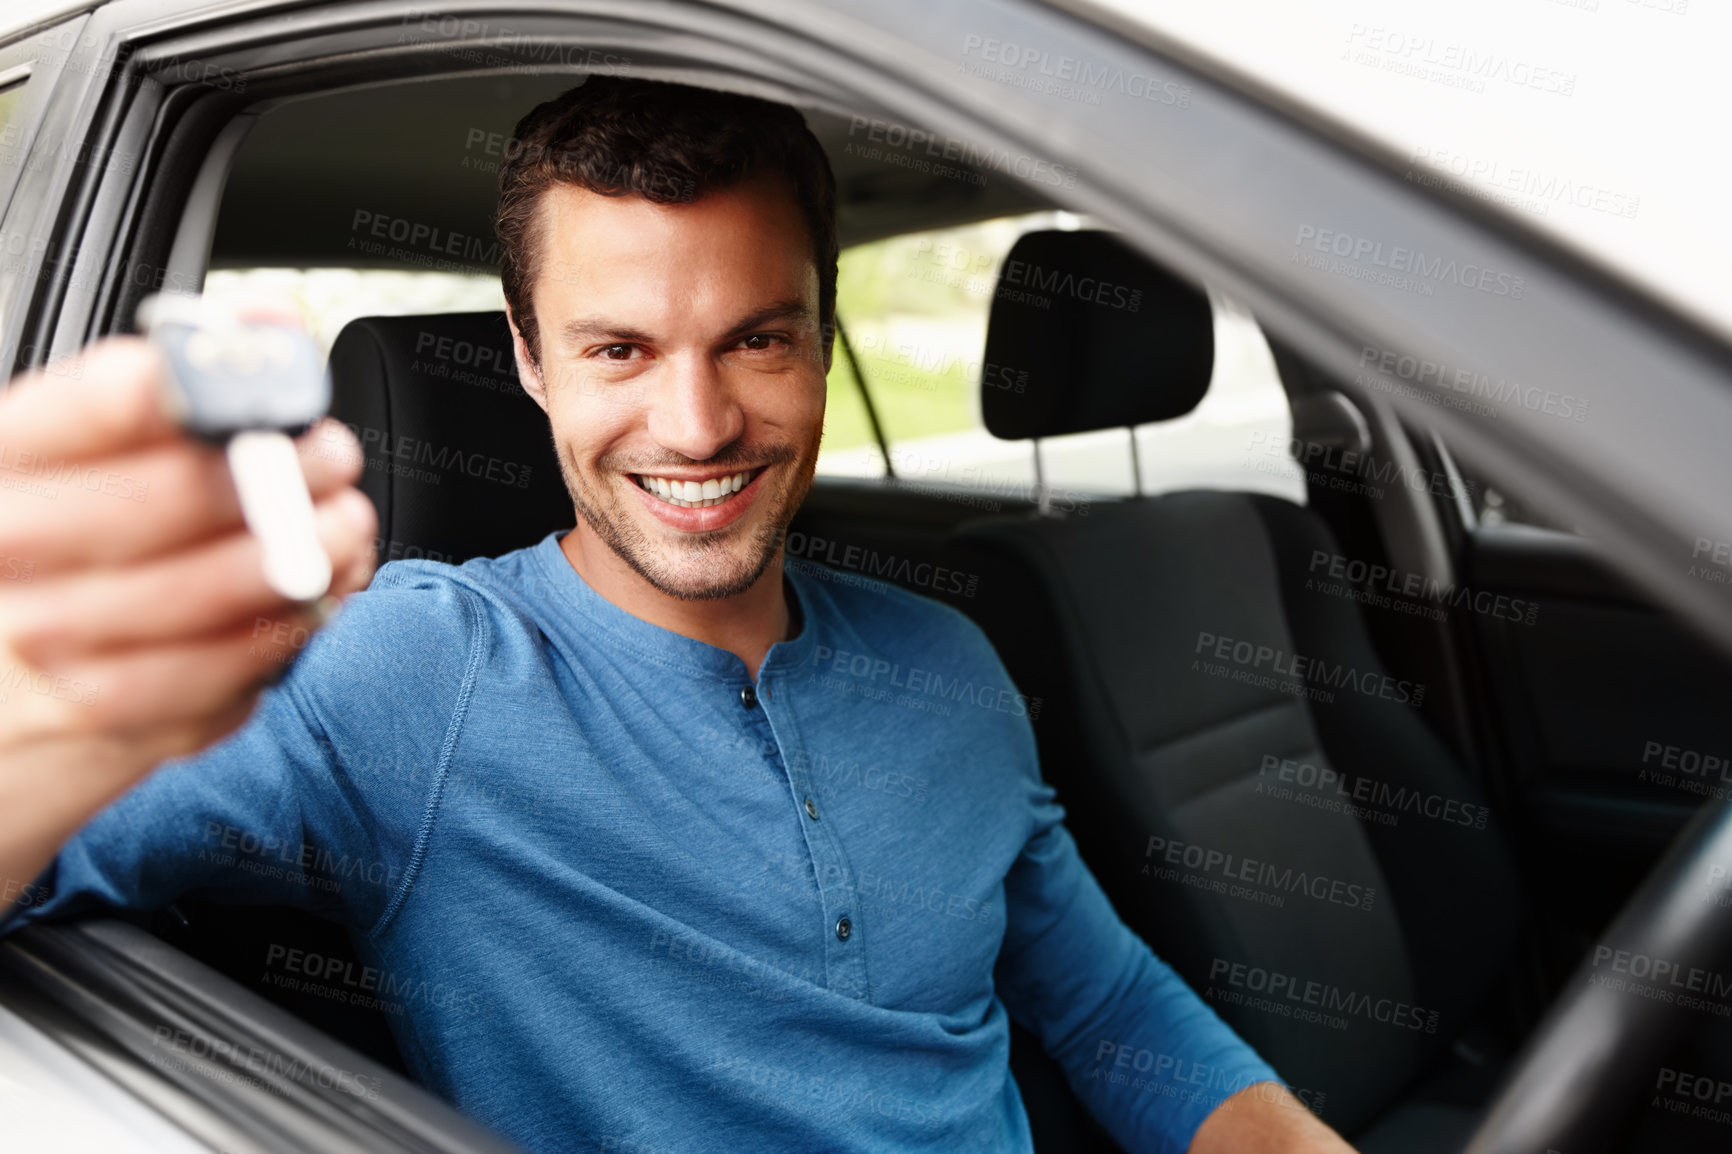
x,y
251,385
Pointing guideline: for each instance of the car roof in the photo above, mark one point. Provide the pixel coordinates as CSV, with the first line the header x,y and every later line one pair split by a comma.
x,y
428,151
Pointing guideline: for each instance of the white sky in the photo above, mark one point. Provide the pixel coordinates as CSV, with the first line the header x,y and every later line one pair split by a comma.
x,y
1645,128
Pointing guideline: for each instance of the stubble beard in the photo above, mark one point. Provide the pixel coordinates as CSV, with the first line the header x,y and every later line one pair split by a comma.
x,y
701,566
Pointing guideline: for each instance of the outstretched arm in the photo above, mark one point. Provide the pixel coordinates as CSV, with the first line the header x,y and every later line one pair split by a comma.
x,y
135,623
1265,1118
1150,1059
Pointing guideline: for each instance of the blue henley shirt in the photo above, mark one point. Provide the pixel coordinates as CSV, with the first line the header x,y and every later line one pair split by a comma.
x,y
614,895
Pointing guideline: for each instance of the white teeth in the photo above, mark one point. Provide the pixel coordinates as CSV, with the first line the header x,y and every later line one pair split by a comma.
x,y
696,494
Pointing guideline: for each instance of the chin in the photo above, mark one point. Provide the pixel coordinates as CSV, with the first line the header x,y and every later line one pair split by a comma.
x,y
703,572
722,564
694,567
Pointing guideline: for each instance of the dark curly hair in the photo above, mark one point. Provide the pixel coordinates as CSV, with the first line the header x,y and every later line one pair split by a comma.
x,y
668,143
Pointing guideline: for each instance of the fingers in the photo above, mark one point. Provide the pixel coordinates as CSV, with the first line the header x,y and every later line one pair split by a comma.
x,y
190,593
162,687
143,627
107,400
130,507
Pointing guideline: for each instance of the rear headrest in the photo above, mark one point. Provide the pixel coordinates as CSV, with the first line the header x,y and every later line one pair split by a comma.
x,y
460,460
1087,334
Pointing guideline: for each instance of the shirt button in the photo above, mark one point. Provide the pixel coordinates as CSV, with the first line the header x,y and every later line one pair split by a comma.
x,y
811,810
844,929
749,697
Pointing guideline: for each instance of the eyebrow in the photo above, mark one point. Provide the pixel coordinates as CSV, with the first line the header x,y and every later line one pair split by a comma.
x,y
581,329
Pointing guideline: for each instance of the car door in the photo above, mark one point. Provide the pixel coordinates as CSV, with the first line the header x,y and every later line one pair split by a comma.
x,y
1610,716
1166,162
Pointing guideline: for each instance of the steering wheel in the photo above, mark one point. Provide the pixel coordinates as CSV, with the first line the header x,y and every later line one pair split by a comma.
x,y
1625,1006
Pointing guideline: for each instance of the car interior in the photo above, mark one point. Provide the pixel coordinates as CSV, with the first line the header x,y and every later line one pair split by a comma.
x,y
1444,827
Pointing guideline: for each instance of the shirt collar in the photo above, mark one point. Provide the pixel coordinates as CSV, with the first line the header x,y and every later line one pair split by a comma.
x,y
664,646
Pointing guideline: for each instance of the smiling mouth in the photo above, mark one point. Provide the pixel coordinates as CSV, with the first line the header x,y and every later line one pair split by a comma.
x,y
696,494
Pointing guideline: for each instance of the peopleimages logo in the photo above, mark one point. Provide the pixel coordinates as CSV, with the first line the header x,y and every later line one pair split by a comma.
x,y
402,453
369,985
256,1063
914,680
1291,993
1680,1092
1330,464
1363,581
1410,261
316,866
1364,797
58,686
925,574
1544,188
1307,670
1232,867
1662,980
1501,391
422,241
1060,283
1457,65
1199,1080
1086,75
1691,762
484,358
49,472
951,156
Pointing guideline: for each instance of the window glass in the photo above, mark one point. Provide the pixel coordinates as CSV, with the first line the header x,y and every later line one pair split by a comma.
x,y
10,97
915,309
330,298
1495,505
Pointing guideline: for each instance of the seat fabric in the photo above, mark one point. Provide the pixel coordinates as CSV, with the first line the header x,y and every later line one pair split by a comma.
x,y
1257,794
1115,622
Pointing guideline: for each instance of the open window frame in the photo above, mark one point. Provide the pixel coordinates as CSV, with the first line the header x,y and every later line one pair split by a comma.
x,y
129,209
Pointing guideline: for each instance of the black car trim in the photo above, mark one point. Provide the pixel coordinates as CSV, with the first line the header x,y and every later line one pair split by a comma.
x,y
178,1033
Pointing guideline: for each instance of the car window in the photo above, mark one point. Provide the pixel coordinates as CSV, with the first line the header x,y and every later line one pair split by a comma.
x,y
1496,504
10,96
915,308
330,298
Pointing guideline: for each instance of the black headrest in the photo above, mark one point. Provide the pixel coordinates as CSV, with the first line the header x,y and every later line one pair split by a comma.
x,y
460,460
1086,334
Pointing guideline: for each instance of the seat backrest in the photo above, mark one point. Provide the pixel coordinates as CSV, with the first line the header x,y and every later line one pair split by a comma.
x,y
1257,795
460,461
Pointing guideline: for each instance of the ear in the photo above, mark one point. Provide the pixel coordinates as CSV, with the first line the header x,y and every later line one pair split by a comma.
x,y
527,370
827,337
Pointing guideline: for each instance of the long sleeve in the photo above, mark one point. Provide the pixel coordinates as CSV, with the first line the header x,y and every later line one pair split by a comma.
x,y
1147,1056
316,801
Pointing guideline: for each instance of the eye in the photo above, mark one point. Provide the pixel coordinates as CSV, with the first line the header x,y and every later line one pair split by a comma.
x,y
761,342
617,352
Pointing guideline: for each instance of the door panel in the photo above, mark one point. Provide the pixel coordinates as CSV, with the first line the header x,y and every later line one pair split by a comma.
x,y
1615,722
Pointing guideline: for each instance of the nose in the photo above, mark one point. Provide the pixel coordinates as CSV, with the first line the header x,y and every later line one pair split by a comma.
x,y
693,411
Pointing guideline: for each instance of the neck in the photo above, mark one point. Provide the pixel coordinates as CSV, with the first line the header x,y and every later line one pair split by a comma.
x,y
746,624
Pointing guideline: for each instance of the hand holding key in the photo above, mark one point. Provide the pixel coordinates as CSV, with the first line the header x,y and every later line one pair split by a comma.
x,y
136,618
247,383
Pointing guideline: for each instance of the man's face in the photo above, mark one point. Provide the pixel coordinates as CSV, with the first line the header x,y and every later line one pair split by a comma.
x,y
683,372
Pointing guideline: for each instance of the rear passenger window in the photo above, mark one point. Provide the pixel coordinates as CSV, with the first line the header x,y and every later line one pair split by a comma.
x,y
11,92
915,309
330,298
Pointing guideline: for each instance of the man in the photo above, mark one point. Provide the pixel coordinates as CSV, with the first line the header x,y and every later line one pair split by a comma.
x,y
598,812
